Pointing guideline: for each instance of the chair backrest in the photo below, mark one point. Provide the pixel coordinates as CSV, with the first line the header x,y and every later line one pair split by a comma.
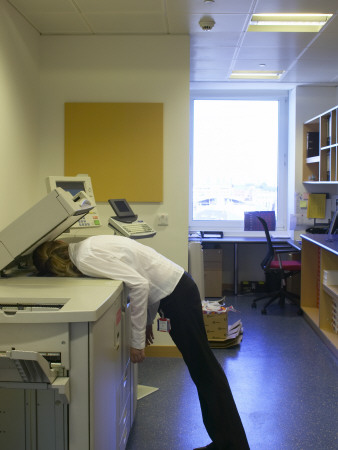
x,y
270,254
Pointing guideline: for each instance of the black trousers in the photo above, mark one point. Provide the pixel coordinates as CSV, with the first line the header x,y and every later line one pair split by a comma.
x,y
220,416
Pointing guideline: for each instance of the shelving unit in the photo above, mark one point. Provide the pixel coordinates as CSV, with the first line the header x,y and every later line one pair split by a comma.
x,y
330,286
319,286
320,148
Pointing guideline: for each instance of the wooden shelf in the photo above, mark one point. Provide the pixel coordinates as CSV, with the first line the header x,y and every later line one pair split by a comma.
x,y
320,152
313,314
331,338
313,160
332,291
319,286
319,183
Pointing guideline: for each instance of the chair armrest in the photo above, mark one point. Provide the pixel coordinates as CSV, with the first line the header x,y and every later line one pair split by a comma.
x,y
285,249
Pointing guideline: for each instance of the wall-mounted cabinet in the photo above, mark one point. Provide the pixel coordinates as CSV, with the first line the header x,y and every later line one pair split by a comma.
x,y
320,148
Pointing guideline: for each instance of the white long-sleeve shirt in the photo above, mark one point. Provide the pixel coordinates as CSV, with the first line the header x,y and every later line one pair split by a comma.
x,y
148,275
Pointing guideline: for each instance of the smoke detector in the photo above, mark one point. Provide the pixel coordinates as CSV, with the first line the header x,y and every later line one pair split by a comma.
x,y
207,23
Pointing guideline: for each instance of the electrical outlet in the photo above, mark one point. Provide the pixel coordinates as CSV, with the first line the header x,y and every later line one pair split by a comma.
x,y
162,219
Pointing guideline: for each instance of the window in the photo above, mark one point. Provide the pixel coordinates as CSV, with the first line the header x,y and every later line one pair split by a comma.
x,y
238,160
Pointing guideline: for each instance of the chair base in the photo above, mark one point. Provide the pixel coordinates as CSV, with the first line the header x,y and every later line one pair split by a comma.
x,y
281,295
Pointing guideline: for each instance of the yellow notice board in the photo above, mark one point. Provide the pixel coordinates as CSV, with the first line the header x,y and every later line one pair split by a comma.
x,y
119,145
316,206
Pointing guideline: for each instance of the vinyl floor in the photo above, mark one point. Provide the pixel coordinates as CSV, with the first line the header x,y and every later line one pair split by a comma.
x,y
283,378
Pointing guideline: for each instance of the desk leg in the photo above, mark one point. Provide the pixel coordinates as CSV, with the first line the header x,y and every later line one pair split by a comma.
x,y
235,268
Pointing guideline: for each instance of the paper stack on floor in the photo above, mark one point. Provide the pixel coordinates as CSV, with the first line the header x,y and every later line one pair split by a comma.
x,y
220,335
234,337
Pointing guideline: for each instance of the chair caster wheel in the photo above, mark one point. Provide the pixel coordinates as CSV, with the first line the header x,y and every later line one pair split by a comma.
x,y
253,305
264,312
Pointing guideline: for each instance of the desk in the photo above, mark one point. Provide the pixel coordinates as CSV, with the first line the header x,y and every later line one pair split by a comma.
x,y
238,240
319,285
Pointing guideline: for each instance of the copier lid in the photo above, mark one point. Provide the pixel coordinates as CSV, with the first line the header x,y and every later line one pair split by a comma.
x,y
46,220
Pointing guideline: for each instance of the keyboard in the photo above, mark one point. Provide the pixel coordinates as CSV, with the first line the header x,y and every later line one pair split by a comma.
x,y
135,230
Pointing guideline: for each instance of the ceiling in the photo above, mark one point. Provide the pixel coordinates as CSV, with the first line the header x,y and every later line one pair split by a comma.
x,y
304,58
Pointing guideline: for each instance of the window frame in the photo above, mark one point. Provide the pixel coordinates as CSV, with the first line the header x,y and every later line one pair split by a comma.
x,y
237,226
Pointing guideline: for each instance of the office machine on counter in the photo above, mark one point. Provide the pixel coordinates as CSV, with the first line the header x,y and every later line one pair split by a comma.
x,y
66,381
126,222
74,185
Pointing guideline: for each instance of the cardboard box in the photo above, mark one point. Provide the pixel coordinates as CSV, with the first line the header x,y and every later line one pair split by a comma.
x,y
212,272
216,325
234,337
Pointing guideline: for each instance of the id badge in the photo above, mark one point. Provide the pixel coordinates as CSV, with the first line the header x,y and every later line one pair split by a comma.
x,y
163,325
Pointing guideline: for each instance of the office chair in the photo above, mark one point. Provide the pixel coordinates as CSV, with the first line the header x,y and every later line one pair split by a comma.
x,y
274,266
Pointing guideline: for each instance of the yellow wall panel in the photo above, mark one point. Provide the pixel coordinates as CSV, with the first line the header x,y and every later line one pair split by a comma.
x,y
119,145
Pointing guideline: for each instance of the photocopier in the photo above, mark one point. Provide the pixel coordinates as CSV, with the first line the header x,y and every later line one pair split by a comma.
x,y
66,381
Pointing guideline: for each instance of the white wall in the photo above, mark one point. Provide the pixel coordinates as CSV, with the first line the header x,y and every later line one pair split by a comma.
x,y
19,80
124,69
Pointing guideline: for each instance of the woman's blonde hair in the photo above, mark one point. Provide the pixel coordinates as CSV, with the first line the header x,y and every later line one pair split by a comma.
x,y
52,258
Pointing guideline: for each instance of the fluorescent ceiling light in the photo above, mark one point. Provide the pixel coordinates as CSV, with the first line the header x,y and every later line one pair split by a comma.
x,y
255,75
288,22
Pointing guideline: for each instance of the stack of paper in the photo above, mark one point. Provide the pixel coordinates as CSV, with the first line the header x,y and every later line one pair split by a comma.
x,y
234,337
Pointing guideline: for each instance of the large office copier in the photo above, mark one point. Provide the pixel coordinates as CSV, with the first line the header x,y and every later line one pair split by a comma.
x,y
66,381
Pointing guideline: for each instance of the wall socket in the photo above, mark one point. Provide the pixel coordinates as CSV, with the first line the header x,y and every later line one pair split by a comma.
x,y
162,219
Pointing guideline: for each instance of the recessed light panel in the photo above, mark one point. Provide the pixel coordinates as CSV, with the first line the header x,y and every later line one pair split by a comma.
x,y
309,23
255,75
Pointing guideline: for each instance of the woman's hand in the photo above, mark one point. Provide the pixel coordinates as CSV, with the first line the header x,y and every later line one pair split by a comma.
x,y
149,335
136,355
